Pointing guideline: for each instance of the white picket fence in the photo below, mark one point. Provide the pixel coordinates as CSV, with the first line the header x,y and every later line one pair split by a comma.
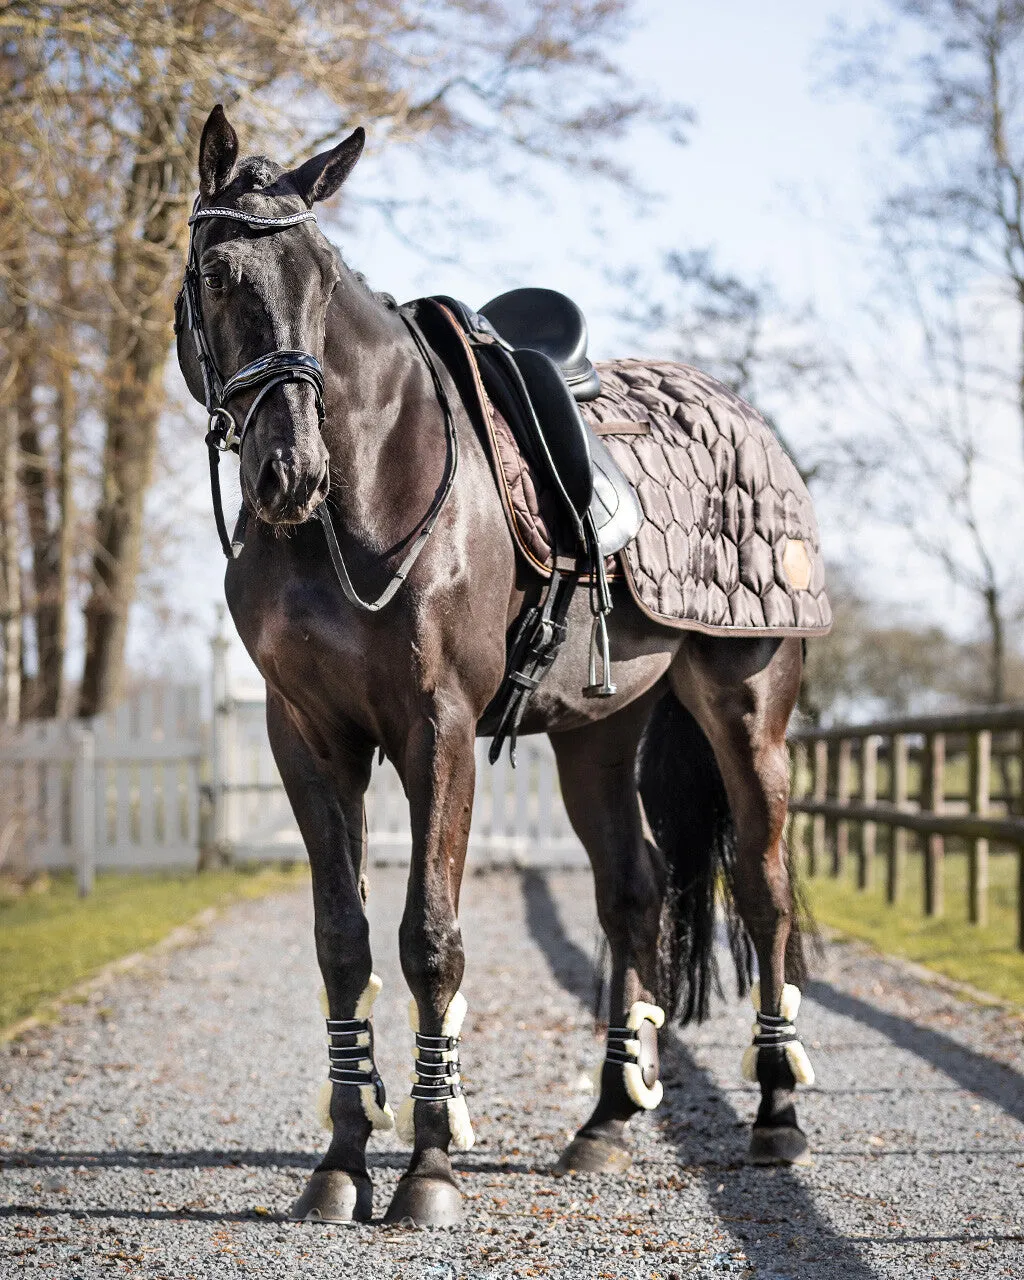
x,y
518,815
151,785
118,791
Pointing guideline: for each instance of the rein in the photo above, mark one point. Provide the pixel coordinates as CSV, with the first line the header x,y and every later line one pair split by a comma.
x,y
267,372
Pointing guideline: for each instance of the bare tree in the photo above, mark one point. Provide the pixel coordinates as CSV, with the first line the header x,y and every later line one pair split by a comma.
x,y
103,103
741,332
945,384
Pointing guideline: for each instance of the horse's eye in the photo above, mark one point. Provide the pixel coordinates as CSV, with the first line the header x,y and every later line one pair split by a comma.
x,y
213,281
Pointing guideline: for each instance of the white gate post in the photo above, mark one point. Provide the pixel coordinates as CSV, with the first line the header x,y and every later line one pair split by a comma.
x,y
219,740
83,808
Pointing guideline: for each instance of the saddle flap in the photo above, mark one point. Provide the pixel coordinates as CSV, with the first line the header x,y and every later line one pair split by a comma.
x,y
565,434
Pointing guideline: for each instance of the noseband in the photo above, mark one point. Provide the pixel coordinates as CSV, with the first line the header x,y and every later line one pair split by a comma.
x,y
263,374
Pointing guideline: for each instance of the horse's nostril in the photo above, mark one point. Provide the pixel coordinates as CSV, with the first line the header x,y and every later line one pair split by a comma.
x,y
272,483
323,485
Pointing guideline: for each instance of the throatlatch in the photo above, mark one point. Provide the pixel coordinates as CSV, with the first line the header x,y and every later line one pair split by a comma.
x,y
436,1076
777,1031
350,1053
626,1048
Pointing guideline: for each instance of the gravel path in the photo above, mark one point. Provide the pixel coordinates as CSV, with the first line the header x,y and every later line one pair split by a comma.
x,y
163,1127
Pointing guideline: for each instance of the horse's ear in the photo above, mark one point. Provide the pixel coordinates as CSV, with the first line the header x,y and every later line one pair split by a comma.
x,y
319,178
218,151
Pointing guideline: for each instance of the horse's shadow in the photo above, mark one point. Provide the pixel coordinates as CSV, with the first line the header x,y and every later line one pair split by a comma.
x,y
714,1148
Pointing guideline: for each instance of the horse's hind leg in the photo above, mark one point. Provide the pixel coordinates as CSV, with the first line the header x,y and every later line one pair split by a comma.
x,y
596,769
328,805
741,693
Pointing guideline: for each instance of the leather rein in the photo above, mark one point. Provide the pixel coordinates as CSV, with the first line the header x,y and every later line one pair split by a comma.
x,y
224,434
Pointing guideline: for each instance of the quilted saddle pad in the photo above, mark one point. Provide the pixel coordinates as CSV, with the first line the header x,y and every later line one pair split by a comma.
x,y
729,541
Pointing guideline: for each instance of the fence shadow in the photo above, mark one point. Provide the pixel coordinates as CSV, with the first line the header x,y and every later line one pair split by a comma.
x,y
996,1082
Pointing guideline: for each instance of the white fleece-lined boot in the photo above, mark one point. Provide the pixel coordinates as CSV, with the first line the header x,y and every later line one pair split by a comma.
x,y
350,1050
436,1077
624,1048
778,1031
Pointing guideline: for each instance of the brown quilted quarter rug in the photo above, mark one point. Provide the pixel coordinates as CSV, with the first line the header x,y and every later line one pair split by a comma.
x,y
729,541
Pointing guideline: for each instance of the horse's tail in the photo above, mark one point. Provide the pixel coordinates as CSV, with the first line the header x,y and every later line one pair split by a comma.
x,y
688,811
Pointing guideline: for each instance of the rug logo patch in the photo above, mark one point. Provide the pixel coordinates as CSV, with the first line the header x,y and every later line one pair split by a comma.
x,y
797,564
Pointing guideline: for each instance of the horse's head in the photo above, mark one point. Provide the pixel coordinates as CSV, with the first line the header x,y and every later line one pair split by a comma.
x,y
258,283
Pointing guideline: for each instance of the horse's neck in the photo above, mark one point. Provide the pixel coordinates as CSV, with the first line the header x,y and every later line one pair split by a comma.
x,y
378,393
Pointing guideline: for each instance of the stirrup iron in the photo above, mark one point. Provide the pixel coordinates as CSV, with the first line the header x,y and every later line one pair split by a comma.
x,y
599,636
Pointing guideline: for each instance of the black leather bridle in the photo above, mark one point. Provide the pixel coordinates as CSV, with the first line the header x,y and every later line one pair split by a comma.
x,y
224,434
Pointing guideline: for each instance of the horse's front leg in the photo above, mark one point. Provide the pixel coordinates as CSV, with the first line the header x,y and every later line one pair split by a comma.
x,y
327,797
439,773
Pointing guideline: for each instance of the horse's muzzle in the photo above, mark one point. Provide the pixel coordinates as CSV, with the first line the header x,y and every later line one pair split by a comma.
x,y
288,491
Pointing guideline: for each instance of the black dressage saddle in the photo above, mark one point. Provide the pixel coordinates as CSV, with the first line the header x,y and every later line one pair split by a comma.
x,y
530,347
547,321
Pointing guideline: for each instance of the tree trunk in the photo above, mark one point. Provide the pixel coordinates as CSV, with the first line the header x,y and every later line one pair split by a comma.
x,y
10,575
41,697
146,258
997,645
52,670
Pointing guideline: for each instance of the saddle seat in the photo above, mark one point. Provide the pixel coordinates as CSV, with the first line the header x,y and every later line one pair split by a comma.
x,y
528,343
547,321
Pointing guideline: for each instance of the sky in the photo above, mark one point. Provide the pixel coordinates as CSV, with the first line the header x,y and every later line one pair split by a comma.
x,y
777,177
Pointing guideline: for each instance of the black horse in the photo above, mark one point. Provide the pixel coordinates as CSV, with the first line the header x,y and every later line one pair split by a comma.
x,y
675,785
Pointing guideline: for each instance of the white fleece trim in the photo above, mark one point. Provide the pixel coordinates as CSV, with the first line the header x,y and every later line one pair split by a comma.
x,y
370,993
796,1054
799,1063
460,1127
380,1118
459,1124
640,1010
454,1015
789,1005
644,1097
405,1122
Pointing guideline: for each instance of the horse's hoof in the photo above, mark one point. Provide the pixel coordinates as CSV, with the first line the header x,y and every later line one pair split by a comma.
x,y
592,1155
332,1195
783,1144
425,1202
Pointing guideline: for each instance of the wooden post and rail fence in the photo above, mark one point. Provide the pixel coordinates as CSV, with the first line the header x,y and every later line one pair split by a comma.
x,y
954,777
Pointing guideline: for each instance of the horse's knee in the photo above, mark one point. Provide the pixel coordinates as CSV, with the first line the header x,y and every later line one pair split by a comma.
x,y
432,956
342,939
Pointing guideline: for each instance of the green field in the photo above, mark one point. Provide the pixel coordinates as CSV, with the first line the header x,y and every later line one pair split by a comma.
x,y
52,939
986,957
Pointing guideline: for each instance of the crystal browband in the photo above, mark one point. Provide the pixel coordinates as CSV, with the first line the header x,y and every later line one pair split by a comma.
x,y
436,1068
350,1051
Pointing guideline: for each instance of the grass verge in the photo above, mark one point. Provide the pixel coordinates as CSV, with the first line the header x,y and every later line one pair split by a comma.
x,y
986,956
51,940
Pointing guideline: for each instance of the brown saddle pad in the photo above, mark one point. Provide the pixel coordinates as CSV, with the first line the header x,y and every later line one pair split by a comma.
x,y
729,540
